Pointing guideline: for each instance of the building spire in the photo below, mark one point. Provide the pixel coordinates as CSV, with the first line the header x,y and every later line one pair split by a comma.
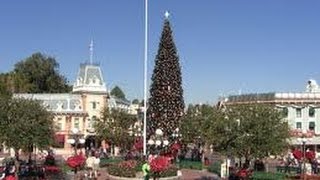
x,y
91,51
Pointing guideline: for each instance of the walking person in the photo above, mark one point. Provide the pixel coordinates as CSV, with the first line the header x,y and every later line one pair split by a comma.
x,y
146,170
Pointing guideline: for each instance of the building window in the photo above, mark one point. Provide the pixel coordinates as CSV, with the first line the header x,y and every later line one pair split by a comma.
x,y
298,112
94,105
298,125
285,112
76,123
59,141
312,126
59,124
311,112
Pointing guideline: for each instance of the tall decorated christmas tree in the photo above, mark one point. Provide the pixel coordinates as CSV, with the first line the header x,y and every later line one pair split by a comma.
x,y
166,104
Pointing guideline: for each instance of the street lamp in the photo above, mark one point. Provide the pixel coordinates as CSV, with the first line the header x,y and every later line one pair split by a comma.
x,y
304,137
158,140
76,139
304,140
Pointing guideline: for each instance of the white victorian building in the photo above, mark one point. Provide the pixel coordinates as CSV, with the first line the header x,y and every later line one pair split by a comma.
x,y
302,111
80,108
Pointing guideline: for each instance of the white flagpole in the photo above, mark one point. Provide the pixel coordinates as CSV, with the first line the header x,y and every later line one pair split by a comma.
x,y
145,78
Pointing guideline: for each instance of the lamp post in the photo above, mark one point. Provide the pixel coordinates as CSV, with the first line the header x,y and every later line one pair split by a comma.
x,y
158,140
176,135
76,139
304,138
137,134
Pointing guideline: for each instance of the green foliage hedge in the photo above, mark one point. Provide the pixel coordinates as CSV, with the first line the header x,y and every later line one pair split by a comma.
x,y
188,164
215,168
267,176
104,162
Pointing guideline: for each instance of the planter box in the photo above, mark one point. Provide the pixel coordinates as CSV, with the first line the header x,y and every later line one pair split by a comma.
x,y
136,178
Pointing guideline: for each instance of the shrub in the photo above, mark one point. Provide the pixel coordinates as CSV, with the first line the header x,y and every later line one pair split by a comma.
x,y
267,176
159,164
104,162
123,169
49,160
65,168
139,165
170,171
188,164
215,168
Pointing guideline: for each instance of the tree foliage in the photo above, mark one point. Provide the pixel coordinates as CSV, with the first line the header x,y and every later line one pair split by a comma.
x,y
114,127
250,131
35,74
117,92
40,74
24,124
166,104
135,101
192,124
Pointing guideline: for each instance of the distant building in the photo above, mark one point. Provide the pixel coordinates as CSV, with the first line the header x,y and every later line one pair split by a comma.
x,y
80,108
302,110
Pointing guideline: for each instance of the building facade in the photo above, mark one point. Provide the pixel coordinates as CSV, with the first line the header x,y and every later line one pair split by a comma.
x,y
301,110
80,108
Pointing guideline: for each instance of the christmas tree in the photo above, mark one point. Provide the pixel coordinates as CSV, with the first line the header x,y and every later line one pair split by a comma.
x,y
166,104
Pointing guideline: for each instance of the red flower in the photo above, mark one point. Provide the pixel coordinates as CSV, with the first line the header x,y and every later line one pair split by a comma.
x,y
76,161
176,146
297,154
138,145
310,155
52,169
160,164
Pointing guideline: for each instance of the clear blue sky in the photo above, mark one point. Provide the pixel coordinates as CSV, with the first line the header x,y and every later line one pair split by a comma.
x,y
224,46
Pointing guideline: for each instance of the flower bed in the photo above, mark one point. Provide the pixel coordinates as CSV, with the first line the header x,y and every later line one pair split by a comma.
x,y
160,167
123,169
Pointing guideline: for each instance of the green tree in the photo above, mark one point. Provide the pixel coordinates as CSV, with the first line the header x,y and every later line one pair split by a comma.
x,y
4,87
193,122
166,104
38,74
135,101
114,127
25,124
250,131
117,92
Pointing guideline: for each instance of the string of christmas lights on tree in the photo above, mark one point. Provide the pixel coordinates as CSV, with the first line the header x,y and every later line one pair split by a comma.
x,y
166,104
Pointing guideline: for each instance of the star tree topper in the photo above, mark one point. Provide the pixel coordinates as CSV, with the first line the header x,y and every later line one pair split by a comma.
x,y
167,14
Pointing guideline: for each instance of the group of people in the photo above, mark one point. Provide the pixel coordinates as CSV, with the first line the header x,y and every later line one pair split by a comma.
x,y
92,164
8,171
308,164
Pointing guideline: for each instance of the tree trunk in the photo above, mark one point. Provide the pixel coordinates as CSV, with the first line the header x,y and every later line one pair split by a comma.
x,y
16,162
112,151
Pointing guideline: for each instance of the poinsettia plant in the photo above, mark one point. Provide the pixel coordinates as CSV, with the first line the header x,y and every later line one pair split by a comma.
x,y
159,164
76,161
